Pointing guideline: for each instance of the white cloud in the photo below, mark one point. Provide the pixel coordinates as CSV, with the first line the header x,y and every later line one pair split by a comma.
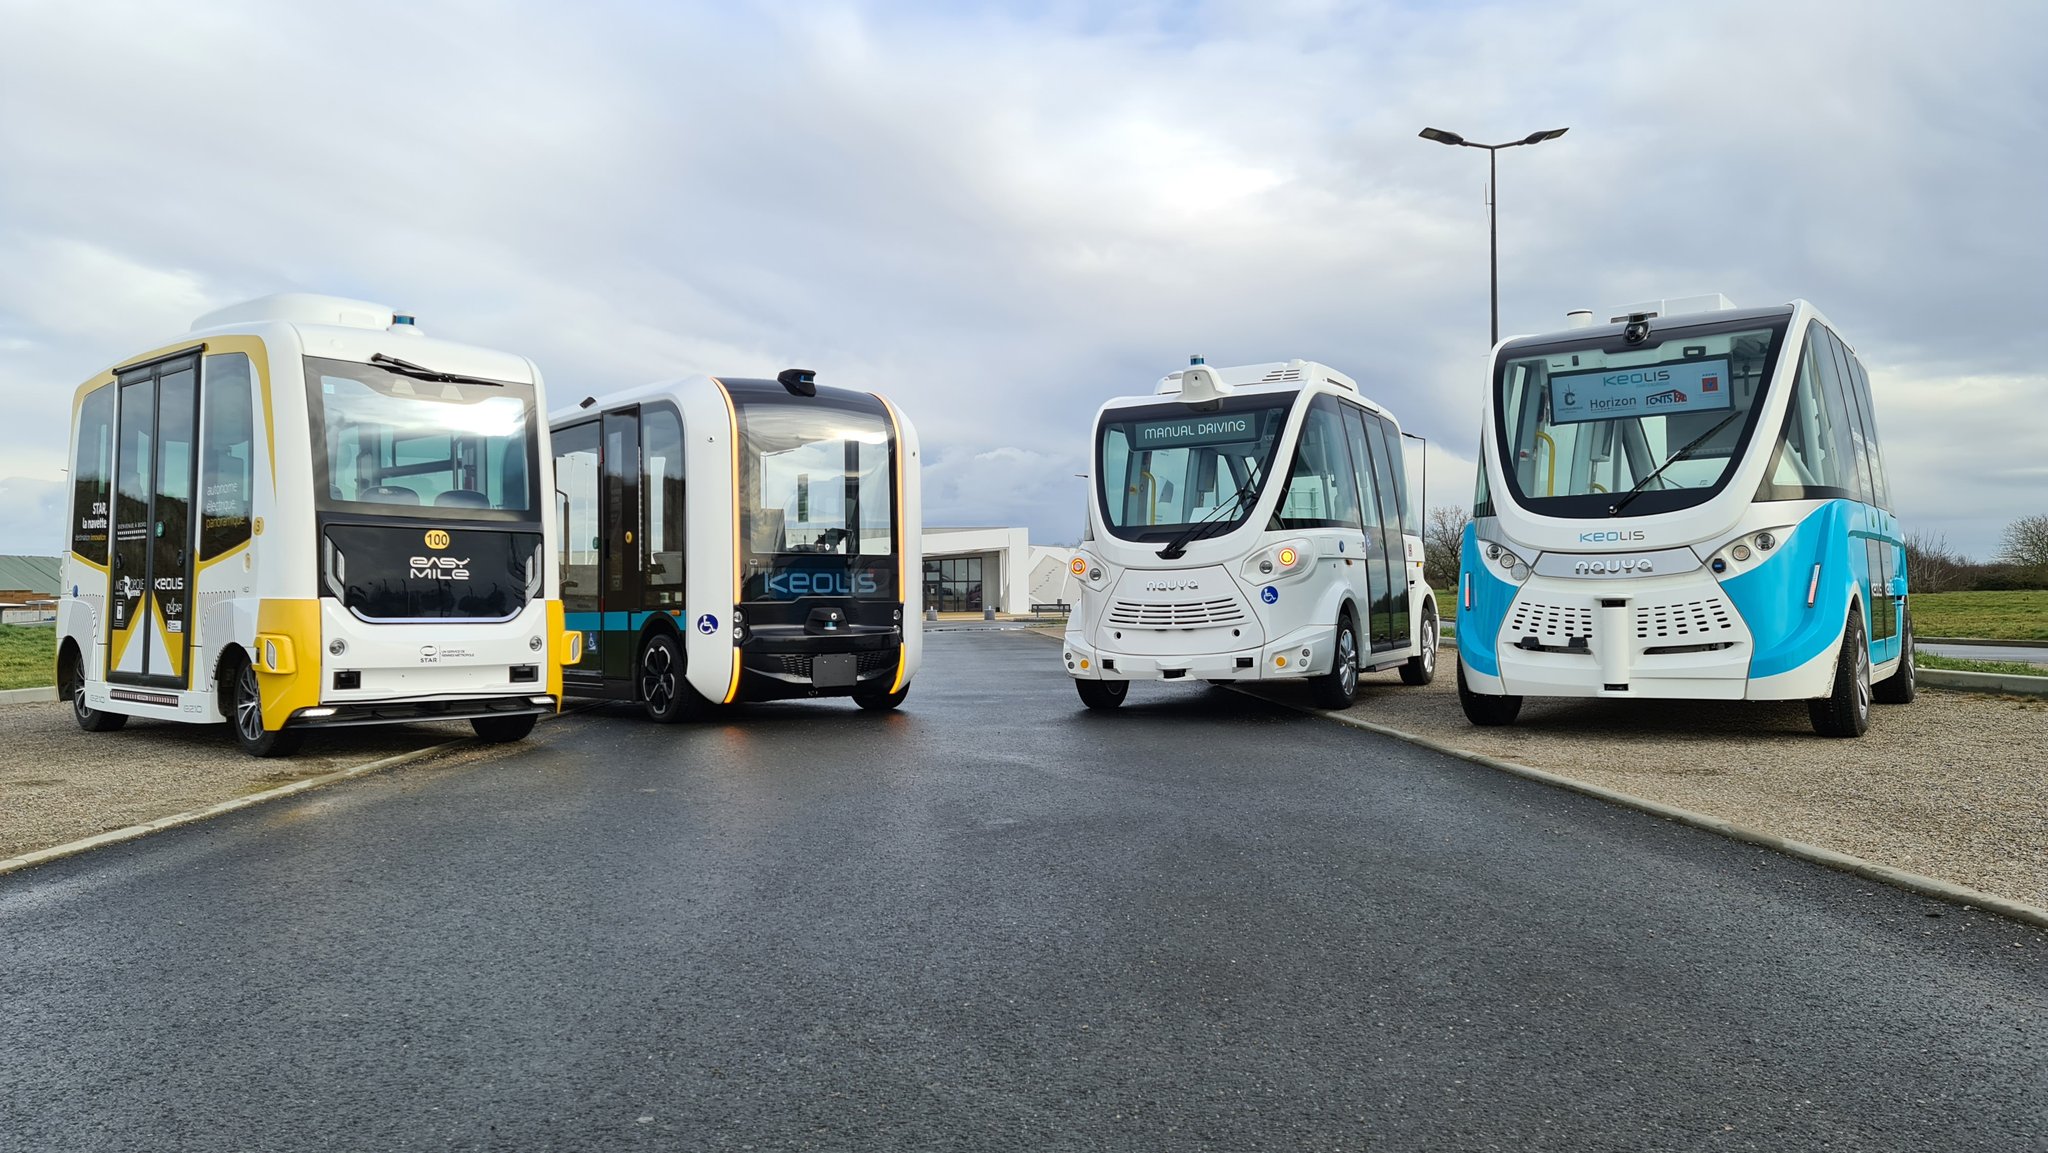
x,y
1002,217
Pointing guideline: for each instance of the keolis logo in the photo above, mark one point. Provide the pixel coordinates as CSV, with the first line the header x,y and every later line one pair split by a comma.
x,y
1613,536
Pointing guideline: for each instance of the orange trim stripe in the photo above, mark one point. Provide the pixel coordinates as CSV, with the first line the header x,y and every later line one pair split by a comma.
x,y
732,420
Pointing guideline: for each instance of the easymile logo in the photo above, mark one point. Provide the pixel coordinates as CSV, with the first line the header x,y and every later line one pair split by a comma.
x,y
439,568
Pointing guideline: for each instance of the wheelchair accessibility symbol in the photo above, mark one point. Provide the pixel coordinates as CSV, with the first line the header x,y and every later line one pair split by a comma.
x,y
707,624
1270,595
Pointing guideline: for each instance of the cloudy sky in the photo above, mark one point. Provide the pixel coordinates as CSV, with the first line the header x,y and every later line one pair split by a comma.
x,y
1002,214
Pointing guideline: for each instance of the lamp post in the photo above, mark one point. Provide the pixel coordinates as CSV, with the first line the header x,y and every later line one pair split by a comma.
x,y
1492,201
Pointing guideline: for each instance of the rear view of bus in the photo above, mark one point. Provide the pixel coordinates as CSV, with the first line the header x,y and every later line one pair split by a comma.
x,y
1249,524
308,514
734,539
1686,502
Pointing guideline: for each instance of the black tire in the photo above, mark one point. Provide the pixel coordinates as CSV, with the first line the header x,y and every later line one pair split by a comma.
x,y
1421,668
1487,710
504,730
245,715
660,684
71,682
1102,695
881,702
1338,688
1904,683
1845,711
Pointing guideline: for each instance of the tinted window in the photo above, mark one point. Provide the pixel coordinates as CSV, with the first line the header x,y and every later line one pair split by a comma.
x,y
576,506
227,437
661,489
92,461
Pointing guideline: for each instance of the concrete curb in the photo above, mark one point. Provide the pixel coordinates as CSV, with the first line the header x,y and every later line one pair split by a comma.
x,y
28,696
1885,874
1984,682
1980,641
30,860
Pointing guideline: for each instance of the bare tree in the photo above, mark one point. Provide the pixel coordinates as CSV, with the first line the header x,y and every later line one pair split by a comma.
x,y
1932,566
2026,542
1442,537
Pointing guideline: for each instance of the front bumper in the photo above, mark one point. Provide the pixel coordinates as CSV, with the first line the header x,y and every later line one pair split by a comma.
x,y
1295,656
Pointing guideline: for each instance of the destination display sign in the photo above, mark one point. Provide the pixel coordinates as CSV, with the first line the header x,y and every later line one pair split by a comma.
x,y
1194,431
1644,390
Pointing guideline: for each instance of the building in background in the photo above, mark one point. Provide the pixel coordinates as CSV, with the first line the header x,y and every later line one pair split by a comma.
x,y
28,589
972,569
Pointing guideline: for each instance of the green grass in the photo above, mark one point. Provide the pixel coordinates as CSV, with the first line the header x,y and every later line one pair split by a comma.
x,y
1957,664
2005,616
28,656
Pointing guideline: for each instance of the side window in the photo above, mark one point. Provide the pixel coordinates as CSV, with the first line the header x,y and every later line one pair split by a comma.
x,y
1322,486
576,506
661,456
92,463
1861,388
227,440
1400,517
1807,463
1845,421
1361,462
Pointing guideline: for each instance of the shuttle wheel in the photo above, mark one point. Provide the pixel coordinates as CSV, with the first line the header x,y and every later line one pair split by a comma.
x,y
71,675
1421,668
664,692
1338,688
1487,710
1845,712
1901,686
881,702
503,730
1102,695
245,716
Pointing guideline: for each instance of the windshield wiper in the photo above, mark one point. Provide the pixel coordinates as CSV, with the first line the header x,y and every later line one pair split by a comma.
x,y
421,372
1615,508
1177,547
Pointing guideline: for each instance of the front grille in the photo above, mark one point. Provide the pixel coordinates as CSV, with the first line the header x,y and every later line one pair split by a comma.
x,y
797,664
1196,614
868,663
880,660
1691,619
1551,624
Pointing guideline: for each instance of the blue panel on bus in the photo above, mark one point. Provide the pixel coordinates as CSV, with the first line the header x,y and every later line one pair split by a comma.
x,y
1479,626
1772,596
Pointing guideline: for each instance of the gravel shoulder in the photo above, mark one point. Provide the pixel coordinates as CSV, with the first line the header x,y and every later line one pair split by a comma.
x,y
1951,786
58,784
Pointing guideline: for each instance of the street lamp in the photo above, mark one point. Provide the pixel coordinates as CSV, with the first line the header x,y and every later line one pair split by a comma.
x,y
1492,200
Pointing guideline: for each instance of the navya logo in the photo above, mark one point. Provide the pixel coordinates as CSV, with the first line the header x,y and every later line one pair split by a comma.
x,y
1185,584
1612,567
825,583
439,568
1614,536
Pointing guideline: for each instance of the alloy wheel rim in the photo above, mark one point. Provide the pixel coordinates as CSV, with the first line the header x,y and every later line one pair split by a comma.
x,y
1862,683
1429,645
77,686
1347,658
248,705
657,677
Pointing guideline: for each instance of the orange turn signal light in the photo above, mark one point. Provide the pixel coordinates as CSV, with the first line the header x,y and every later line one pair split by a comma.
x,y
1287,558
1079,567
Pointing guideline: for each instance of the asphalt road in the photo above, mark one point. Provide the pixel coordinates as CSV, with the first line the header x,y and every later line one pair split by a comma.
x,y
995,922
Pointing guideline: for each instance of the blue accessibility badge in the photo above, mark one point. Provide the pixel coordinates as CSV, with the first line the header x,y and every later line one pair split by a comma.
x,y
707,624
1270,595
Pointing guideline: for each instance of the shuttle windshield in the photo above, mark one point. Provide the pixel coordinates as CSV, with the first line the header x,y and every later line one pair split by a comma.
x,y
1598,427
1163,469
395,444
817,498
